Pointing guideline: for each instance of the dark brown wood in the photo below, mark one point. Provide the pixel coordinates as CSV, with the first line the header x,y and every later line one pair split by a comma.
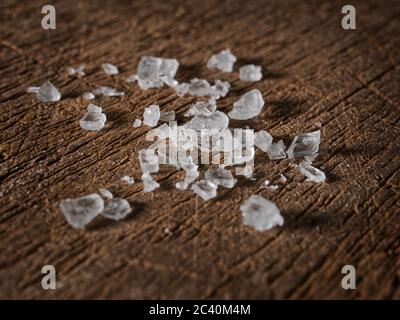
x,y
314,71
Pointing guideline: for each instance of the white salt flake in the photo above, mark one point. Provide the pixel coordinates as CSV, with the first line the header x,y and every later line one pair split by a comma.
x,y
283,178
151,115
154,72
220,89
116,209
205,108
109,69
106,193
276,151
137,123
88,96
132,78
48,92
108,92
148,161
199,87
191,173
220,177
33,89
128,180
223,61
80,211
149,184
250,72
205,189
248,106
312,173
305,144
263,140
217,120
76,71
94,119
260,213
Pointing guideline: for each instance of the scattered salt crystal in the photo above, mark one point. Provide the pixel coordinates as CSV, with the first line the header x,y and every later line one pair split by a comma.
x,y
106,193
137,123
128,180
260,213
78,70
205,189
191,173
109,69
151,115
162,132
220,176
199,87
250,72
108,92
116,209
223,61
305,144
132,78
153,72
263,140
283,178
276,151
148,161
220,89
248,106
33,89
48,92
182,89
149,184
167,116
205,108
312,173
217,120
88,96
80,211
94,119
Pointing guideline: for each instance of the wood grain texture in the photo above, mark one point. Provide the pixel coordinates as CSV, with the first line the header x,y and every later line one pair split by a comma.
x,y
313,72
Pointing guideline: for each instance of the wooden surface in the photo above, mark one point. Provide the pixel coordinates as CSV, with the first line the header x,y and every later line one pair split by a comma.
x,y
314,71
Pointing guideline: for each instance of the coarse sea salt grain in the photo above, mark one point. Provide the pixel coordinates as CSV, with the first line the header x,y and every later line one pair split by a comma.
x,y
109,69
154,72
128,180
137,123
217,120
106,193
151,115
205,108
88,96
47,92
276,151
305,144
94,119
260,213
149,184
263,140
116,209
223,61
80,211
312,173
205,189
76,71
250,72
108,92
220,177
248,106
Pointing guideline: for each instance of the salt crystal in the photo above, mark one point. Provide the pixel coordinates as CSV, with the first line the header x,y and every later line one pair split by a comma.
x,y
116,209
149,184
94,119
167,116
162,132
199,87
250,72
78,70
153,72
260,213
263,140
205,108
148,161
223,61
276,151
128,180
217,120
248,106
132,78
191,173
283,178
80,211
48,92
312,173
182,89
151,115
108,92
137,123
205,189
88,96
106,193
33,89
109,69
220,89
305,144
220,176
